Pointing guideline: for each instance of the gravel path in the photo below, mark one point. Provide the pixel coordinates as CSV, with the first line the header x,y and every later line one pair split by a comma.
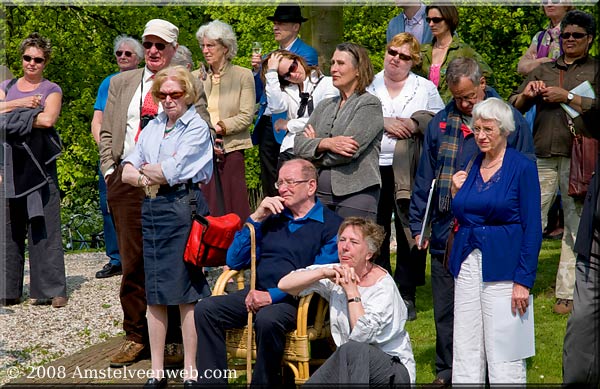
x,y
34,335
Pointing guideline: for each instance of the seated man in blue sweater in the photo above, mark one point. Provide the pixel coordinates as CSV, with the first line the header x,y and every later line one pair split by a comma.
x,y
293,230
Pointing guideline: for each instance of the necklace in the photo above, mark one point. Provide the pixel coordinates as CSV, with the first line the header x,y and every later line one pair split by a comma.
x,y
368,271
493,163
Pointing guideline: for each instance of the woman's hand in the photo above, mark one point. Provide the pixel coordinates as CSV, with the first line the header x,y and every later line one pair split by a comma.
x,y
29,101
310,132
554,94
347,279
273,61
533,89
424,242
458,179
341,144
399,128
154,174
520,299
281,125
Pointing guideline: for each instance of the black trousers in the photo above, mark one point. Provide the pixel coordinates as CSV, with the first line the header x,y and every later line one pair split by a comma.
x,y
268,154
410,261
442,285
360,363
215,314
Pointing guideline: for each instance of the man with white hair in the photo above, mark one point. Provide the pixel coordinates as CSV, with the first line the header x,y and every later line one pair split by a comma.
x,y
128,109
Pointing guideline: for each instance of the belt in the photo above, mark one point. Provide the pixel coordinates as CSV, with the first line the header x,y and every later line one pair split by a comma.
x,y
152,191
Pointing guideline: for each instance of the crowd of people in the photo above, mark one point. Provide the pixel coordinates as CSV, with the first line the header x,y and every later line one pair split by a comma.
x,y
427,141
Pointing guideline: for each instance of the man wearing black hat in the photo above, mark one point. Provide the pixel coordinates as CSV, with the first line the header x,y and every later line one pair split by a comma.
x,y
287,20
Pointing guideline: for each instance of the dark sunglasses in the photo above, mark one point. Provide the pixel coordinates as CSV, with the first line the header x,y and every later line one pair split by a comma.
x,y
576,35
434,20
38,60
400,55
172,95
119,53
159,46
292,69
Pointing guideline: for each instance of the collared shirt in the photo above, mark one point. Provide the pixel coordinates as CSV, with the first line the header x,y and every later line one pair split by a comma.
x,y
184,153
238,255
290,45
415,25
133,113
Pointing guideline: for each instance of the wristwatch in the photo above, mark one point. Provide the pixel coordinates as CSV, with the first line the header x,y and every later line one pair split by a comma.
x,y
570,97
354,300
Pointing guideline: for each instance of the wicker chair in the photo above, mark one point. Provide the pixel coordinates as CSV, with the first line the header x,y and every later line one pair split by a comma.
x,y
312,324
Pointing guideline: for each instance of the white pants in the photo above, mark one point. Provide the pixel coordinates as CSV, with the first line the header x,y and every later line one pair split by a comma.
x,y
473,328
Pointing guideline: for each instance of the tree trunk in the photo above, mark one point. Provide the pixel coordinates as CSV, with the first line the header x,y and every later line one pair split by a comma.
x,y
323,31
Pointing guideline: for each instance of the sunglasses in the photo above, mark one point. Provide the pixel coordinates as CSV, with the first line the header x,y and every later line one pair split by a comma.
x,y
434,20
292,69
400,55
172,95
546,2
38,60
119,53
575,35
159,46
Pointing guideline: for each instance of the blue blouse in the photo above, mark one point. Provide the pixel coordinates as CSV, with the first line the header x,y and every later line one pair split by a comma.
x,y
502,218
184,153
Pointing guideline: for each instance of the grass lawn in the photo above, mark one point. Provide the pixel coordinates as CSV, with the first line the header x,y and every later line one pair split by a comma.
x,y
545,367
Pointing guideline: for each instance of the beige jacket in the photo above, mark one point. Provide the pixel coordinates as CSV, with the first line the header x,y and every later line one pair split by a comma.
x,y
112,133
236,104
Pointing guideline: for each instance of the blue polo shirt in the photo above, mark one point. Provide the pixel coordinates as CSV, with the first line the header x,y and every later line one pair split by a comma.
x,y
284,244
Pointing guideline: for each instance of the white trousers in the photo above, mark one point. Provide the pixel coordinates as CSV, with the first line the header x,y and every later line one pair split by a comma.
x,y
473,328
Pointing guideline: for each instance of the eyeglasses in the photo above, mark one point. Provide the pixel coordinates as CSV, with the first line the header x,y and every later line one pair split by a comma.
x,y
172,95
400,55
119,53
289,183
546,2
435,20
575,35
292,69
159,46
38,60
470,98
487,131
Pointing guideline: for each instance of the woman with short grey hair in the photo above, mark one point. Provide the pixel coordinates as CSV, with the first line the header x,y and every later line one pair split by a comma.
x,y
230,93
495,253
133,44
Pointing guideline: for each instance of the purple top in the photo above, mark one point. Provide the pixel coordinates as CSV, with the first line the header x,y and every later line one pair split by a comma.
x,y
45,89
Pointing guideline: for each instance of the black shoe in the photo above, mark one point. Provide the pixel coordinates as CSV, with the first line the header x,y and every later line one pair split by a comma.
x,y
156,383
7,302
109,270
412,311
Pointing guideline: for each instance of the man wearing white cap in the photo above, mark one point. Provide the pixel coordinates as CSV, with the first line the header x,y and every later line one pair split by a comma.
x,y
128,109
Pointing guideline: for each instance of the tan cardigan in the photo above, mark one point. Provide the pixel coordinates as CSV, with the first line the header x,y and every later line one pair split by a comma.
x,y
236,105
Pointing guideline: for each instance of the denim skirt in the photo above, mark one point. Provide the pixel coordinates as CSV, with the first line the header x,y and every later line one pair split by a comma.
x,y
166,222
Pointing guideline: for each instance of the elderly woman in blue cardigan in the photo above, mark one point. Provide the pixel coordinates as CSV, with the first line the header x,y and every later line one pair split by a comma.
x,y
495,252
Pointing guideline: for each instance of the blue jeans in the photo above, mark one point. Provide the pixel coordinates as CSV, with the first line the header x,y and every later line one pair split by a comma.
x,y
110,235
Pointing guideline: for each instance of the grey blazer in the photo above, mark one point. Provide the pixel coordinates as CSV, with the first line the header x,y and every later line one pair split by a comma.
x,y
112,133
360,117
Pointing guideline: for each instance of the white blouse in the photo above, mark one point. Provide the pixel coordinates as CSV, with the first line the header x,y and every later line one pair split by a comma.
x,y
382,325
417,94
288,100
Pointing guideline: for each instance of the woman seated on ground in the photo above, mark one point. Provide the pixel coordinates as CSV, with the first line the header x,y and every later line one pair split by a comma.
x,y
293,89
343,137
173,155
495,252
366,311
